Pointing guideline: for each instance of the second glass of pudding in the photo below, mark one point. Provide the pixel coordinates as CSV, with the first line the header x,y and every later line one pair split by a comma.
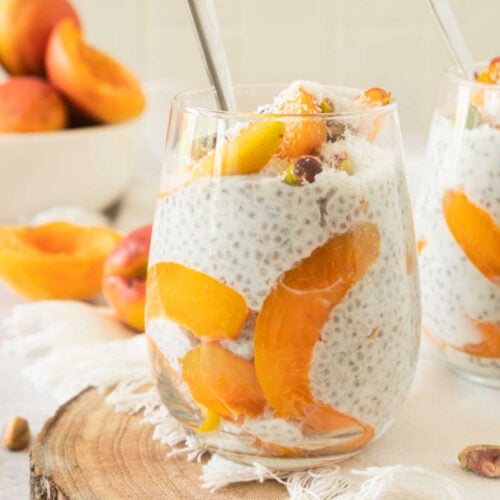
x,y
458,224
283,312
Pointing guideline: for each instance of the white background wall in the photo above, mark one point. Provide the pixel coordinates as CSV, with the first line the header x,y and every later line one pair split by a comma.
x,y
388,43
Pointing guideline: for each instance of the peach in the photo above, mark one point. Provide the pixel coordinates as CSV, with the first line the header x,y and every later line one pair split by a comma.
x,y
96,84
292,318
25,26
198,302
57,260
124,281
29,104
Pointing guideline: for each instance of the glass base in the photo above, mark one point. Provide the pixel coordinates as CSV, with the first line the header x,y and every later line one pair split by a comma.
x,y
284,463
231,442
483,371
474,377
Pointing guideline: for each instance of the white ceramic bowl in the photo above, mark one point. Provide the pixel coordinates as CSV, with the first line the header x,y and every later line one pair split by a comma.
x,y
89,167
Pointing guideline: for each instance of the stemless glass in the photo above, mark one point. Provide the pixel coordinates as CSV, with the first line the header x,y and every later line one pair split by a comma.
x,y
283,311
458,225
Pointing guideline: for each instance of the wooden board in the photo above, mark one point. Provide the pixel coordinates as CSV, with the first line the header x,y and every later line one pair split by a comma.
x,y
87,451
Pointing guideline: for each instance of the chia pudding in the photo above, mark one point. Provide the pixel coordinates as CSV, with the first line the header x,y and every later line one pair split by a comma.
x,y
316,251
458,227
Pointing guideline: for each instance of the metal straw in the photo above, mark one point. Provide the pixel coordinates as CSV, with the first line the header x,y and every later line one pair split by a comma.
x,y
206,26
450,30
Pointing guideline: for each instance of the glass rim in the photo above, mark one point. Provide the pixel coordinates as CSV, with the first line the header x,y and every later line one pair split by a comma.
x,y
180,101
454,74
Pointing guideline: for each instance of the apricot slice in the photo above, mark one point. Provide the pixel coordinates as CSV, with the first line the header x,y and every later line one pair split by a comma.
x,y
489,347
475,231
303,136
491,75
421,244
247,153
375,97
93,82
58,260
292,318
194,378
196,301
222,381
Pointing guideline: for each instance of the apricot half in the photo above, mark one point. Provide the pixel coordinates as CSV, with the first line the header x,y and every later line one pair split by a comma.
x,y
222,381
25,26
475,231
196,301
97,85
292,318
58,260
303,136
29,104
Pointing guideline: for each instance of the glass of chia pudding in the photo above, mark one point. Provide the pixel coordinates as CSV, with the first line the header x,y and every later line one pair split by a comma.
x,y
283,308
458,225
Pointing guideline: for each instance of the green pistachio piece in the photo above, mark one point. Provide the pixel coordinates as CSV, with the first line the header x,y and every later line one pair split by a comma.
x,y
346,165
326,105
483,460
473,117
289,177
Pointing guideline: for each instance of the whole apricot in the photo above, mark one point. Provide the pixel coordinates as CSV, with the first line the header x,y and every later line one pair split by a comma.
x,y
29,104
124,281
25,26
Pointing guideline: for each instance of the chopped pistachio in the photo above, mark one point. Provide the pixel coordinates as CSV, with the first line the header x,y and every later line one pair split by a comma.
x,y
289,176
17,434
326,105
335,129
346,166
482,459
203,145
473,117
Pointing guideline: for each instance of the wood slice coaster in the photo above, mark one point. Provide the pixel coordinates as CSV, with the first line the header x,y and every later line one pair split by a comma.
x,y
87,451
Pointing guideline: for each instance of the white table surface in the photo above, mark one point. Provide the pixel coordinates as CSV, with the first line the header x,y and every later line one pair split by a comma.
x,y
442,415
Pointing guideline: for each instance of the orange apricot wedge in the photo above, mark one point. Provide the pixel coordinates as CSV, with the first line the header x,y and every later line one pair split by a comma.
x,y
196,301
57,260
194,377
303,136
292,318
489,347
222,381
374,97
475,231
421,244
246,153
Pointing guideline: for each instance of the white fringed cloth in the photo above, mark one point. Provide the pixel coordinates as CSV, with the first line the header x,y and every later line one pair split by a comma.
x,y
69,346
